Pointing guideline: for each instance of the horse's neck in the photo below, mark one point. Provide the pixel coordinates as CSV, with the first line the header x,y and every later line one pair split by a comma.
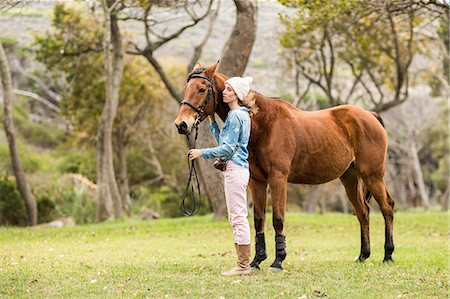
x,y
222,108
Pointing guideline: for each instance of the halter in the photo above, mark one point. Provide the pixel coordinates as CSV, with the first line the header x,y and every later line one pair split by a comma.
x,y
201,110
196,203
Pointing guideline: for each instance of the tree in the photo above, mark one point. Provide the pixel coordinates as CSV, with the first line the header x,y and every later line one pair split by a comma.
x,y
107,189
239,46
8,123
81,64
232,64
371,41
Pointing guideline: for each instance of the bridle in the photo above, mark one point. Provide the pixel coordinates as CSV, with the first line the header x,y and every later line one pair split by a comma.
x,y
201,110
196,203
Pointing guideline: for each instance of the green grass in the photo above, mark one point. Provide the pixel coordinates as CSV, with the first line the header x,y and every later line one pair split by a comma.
x,y
183,257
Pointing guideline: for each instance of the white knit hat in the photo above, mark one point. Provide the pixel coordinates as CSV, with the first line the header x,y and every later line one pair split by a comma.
x,y
240,85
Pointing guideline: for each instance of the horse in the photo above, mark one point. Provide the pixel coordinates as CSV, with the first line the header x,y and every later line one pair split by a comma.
x,y
301,147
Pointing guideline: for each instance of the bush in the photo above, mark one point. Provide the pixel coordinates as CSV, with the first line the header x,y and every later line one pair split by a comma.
x,y
164,201
78,205
46,210
82,162
12,207
63,199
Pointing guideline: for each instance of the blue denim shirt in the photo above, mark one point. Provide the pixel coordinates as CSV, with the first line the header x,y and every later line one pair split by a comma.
x,y
233,139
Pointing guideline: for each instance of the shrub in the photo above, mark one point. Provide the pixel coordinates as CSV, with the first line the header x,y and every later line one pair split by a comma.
x,y
12,207
167,203
62,198
46,209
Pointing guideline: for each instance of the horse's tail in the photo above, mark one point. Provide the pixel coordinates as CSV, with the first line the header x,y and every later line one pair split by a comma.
x,y
379,118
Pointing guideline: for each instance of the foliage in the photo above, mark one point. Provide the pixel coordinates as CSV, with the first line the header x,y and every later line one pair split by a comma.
x,y
12,207
44,134
46,210
164,201
82,162
140,100
69,200
435,154
332,43
183,257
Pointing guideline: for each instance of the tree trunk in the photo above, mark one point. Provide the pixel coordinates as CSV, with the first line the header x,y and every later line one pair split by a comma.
x,y
107,190
8,123
240,43
233,63
312,199
445,198
211,179
124,187
419,176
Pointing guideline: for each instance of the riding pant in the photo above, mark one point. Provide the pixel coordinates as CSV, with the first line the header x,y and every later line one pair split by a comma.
x,y
236,181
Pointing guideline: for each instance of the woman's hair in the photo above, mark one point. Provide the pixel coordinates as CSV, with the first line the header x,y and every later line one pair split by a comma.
x,y
250,102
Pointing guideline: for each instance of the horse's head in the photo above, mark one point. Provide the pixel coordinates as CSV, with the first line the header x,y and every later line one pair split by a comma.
x,y
199,98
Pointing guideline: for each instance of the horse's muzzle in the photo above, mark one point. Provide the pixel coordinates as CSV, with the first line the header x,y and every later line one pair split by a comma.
x,y
182,128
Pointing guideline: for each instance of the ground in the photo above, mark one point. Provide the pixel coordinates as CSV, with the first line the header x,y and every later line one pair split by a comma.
x,y
183,257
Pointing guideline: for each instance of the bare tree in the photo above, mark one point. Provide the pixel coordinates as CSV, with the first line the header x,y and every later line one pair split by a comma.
x,y
8,123
107,190
373,41
210,179
408,122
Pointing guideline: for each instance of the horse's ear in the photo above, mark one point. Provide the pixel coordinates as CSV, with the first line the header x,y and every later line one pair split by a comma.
x,y
197,66
209,72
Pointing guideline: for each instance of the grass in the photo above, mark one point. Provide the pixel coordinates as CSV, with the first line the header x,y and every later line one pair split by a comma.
x,y
183,257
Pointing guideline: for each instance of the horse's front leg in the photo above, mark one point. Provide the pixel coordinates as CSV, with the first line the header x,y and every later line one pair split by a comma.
x,y
258,191
278,191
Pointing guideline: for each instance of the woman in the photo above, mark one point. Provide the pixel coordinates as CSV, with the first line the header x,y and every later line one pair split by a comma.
x,y
233,141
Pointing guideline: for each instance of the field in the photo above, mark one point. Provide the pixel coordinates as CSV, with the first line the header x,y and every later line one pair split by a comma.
x,y
173,258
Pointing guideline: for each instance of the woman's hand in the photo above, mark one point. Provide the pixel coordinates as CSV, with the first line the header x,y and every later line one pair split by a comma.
x,y
194,154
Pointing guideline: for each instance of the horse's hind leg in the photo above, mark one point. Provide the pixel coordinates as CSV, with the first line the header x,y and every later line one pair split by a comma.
x,y
378,189
350,181
258,191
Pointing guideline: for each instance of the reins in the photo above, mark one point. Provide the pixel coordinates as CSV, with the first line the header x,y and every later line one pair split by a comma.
x,y
192,175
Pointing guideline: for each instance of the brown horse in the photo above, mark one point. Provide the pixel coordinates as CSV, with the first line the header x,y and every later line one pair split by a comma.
x,y
291,145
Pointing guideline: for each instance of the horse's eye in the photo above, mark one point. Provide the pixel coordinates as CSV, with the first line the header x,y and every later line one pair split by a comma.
x,y
202,90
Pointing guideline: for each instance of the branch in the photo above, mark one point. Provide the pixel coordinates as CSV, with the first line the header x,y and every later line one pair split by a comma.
x,y
369,92
55,96
173,92
355,82
37,98
164,40
199,48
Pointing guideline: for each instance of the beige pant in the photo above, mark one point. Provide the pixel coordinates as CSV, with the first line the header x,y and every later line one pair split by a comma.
x,y
236,180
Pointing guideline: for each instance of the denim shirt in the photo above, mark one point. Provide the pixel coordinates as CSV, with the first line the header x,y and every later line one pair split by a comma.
x,y
233,139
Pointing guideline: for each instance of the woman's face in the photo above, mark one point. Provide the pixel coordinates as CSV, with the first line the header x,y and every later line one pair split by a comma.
x,y
228,94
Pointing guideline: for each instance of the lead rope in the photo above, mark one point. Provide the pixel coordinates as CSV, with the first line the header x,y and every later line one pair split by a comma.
x,y
196,203
194,207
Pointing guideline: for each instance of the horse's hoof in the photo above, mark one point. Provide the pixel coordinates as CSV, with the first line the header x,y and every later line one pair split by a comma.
x,y
276,266
388,261
255,267
275,269
360,260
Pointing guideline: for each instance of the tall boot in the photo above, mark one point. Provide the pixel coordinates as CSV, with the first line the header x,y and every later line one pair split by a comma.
x,y
243,261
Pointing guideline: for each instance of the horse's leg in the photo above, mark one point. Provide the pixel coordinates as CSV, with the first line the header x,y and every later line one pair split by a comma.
x,y
378,189
350,181
258,191
278,191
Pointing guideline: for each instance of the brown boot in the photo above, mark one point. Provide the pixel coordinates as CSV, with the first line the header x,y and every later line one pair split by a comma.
x,y
243,261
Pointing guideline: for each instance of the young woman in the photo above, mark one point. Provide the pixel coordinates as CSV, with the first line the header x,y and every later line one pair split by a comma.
x,y
233,141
